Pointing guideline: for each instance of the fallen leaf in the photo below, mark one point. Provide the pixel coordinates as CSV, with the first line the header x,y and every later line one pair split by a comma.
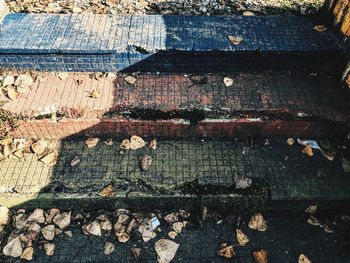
x,y
28,253
172,234
39,147
123,237
49,159
95,94
136,142
108,248
235,40
226,251
136,252
257,222
68,233
320,28
313,221
108,142
152,144
106,225
111,75
290,141
26,239
107,191
8,81
242,238
130,79
145,162
74,161
308,150
12,94
24,81
166,250
4,215
304,259
13,248
49,248
125,145
228,82
63,75
91,142
248,13
172,217
178,227
37,216
48,232
62,220
311,209
260,256
94,228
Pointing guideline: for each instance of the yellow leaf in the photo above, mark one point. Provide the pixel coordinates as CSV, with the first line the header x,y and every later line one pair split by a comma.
x,y
107,191
235,40
320,28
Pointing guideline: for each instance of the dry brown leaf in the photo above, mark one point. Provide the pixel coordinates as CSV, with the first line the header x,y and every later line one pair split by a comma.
x,y
63,75
49,159
37,216
226,251
260,256
228,82
320,28
48,232
178,227
311,209
248,13
172,234
28,253
257,222
24,81
12,94
95,94
130,79
39,147
107,191
50,214
136,142
78,82
92,142
235,39
290,141
123,237
4,215
308,150
13,248
136,251
328,155
166,250
125,145
152,144
304,259
313,221
49,248
108,248
94,228
8,80
62,220
242,238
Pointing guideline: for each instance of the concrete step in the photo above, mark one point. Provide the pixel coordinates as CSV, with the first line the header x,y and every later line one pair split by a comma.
x,y
78,42
183,106
182,174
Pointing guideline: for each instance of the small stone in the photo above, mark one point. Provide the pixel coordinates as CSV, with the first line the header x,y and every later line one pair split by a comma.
x,y
74,161
48,232
8,81
125,145
226,251
136,142
152,144
130,79
28,253
172,234
94,228
12,94
13,248
242,182
290,141
62,220
49,215
257,222
235,39
228,82
37,216
248,13
136,252
20,221
166,250
178,227
49,159
49,248
107,191
91,142
24,81
108,248
63,75
39,147
145,162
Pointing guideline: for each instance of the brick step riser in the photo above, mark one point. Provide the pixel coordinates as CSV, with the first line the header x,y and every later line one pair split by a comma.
x,y
179,129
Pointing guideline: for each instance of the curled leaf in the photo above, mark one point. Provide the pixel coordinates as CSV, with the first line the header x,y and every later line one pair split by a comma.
x,y
235,39
260,256
136,142
257,222
226,251
320,28
12,94
308,150
63,75
125,145
242,238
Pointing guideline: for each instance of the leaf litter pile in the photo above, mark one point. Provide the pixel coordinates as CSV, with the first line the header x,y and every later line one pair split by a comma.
x,y
23,234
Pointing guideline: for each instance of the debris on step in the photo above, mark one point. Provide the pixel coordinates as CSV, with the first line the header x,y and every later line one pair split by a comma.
x,y
130,79
145,229
136,252
107,191
178,227
91,142
136,142
23,81
13,248
63,220
109,247
235,40
242,238
257,222
95,94
304,259
320,28
152,144
172,217
248,13
313,221
49,159
12,94
49,248
308,150
290,141
242,182
311,209
125,145
63,75
37,216
50,214
166,250
74,161
94,228
48,232
39,147
228,82
172,234
260,256
155,223
108,142
4,217
8,81
28,253
225,250
145,162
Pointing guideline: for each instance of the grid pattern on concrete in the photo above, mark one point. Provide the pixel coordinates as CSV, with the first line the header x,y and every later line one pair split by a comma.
x,y
290,174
